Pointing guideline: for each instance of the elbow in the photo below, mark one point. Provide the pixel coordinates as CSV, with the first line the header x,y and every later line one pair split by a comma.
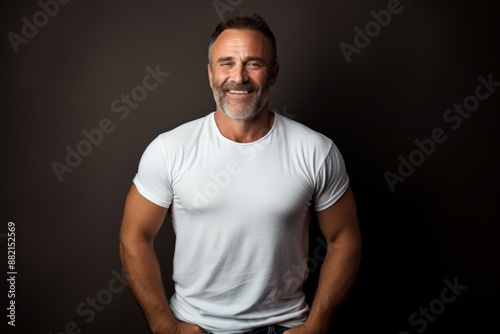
x,y
122,249
354,244
357,248
349,248
131,246
125,245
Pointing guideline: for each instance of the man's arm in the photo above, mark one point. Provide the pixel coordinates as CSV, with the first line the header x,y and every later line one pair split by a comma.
x,y
339,225
142,220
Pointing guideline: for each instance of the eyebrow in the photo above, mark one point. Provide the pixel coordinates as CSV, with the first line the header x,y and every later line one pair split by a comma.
x,y
245,60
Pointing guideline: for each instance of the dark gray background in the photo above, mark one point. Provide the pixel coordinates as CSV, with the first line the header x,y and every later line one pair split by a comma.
x,y
440,224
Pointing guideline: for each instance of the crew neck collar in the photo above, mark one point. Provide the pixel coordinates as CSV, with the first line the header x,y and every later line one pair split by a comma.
x,y
221,136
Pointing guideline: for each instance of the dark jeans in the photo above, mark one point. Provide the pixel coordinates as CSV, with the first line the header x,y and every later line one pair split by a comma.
x,y
274,329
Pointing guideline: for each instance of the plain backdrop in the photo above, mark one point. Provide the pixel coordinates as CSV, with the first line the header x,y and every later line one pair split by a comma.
x,y
438,226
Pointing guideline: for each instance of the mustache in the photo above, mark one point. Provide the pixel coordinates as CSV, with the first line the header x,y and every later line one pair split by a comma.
x,y
247,86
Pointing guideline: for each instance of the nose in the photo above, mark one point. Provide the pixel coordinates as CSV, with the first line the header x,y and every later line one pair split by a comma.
x,y
239,74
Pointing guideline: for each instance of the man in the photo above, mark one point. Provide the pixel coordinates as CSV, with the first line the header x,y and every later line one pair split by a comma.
x,y
240,185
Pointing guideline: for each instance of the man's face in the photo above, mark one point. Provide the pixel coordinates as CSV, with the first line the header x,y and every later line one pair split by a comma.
x,y
240,72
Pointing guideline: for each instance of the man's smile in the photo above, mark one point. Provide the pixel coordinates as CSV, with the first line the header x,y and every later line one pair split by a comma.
x,y
239,93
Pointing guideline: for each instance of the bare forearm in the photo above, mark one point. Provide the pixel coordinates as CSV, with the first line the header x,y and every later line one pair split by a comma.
x,y
144,276
337,276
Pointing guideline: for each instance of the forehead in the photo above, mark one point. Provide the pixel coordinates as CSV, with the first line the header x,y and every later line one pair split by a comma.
x,y
241,42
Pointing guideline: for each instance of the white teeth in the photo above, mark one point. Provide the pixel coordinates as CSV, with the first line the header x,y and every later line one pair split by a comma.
x,y
238,92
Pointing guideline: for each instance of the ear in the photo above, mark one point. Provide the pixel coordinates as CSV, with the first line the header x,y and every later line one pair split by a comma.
x,y
274,74
209,75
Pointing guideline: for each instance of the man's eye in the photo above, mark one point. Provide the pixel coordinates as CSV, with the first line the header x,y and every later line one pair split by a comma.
x,y
225,64
254,65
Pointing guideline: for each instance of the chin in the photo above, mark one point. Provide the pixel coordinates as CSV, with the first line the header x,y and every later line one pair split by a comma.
x,y
241,116
245,116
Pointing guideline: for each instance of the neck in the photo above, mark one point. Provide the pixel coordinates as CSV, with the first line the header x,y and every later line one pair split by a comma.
x,y
244,131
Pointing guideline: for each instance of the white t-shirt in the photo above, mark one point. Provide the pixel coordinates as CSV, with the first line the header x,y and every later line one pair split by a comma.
x,y
241,212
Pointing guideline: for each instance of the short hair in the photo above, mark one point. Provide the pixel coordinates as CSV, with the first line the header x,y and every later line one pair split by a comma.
x,y
252,21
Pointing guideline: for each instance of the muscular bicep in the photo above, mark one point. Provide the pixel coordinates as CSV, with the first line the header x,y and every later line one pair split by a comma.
x,y
142,218
339,222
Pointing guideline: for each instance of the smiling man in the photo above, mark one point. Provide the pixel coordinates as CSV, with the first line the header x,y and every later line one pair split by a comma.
x,y
240,185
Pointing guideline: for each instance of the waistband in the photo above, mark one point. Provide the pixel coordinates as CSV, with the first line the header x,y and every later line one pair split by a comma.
x,y
273,329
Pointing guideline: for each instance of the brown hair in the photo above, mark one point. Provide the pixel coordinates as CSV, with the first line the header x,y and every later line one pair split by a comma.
x,y
251,21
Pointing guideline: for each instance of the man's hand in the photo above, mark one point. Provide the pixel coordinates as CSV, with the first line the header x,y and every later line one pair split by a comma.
x,y
302,329
184,328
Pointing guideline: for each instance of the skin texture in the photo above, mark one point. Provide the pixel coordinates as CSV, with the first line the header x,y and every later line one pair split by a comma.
x,y
241,62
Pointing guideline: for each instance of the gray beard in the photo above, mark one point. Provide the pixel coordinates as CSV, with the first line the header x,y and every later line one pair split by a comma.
x,y
251,109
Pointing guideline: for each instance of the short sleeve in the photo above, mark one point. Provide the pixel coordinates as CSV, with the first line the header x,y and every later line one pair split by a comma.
x,y
331,181
152,179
